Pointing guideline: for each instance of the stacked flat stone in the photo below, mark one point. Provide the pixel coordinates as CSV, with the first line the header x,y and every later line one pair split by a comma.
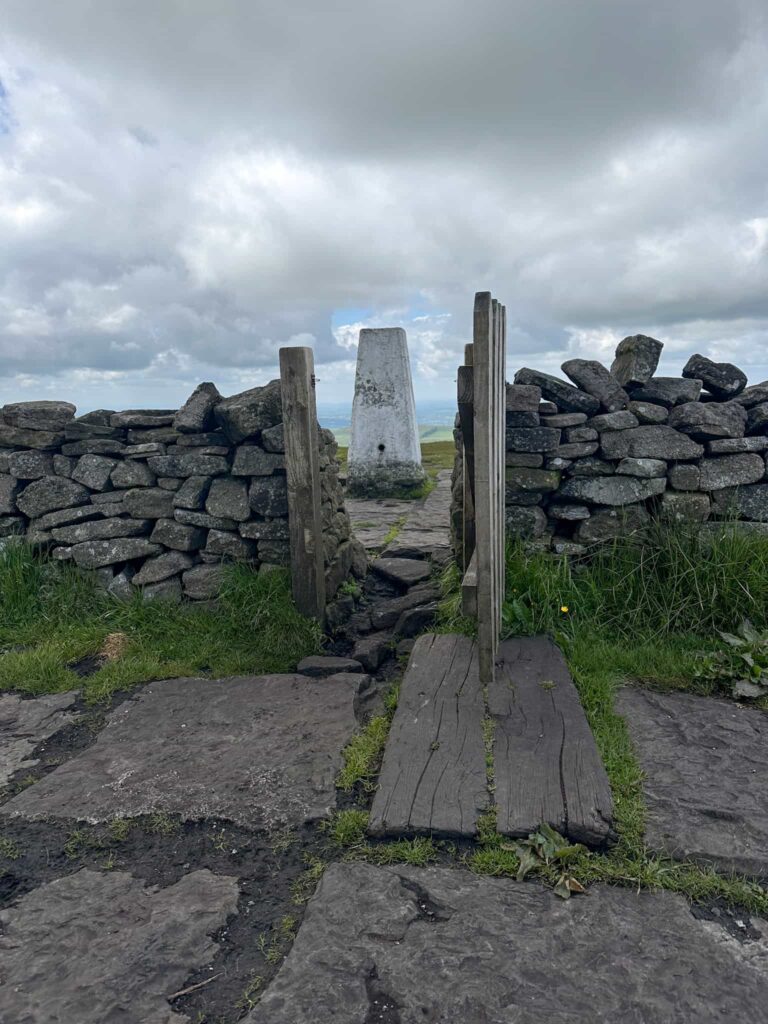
x,y
157,500
599,455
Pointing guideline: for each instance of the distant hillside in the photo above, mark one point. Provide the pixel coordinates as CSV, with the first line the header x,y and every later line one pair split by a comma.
x,y
428,433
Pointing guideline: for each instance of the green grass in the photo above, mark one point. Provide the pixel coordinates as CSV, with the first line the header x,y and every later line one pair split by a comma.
x,y
347,828
363,753
9,850
675,583
52,615
393,531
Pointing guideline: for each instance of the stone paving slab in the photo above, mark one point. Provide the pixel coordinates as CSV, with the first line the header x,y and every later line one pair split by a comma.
x,y
406,572
426,531
705,763
27,722
102,948
372,519
413,945
260,751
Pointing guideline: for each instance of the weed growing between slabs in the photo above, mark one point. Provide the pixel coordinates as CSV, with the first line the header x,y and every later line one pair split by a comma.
x,y
53,616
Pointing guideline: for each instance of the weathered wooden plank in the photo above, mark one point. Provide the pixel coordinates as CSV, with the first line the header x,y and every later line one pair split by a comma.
x,y
469,589
302,464
467,517
433,778
547,766
465,397
469,354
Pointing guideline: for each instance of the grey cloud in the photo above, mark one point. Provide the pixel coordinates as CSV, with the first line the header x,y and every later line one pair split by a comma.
x,y
203,185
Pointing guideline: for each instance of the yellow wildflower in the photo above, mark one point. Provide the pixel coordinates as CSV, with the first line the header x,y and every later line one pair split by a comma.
x,y
564,609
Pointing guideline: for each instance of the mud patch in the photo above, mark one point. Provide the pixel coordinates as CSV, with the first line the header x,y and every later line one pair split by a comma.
x,y
276,874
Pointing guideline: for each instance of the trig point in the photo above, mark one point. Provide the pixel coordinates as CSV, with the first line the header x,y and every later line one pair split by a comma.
x,y
384,452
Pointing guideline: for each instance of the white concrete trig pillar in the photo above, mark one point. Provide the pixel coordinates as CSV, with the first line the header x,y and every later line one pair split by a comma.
x,y
384,452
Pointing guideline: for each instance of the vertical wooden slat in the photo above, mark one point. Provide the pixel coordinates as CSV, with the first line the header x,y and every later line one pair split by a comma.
x,y
483,346
465,396
302,463
501,441
492,470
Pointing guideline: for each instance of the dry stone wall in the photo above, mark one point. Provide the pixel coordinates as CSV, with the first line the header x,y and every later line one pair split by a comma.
x,y
158,499
600,454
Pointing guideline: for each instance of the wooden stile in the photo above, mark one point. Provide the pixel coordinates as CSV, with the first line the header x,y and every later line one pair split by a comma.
x,y
302,464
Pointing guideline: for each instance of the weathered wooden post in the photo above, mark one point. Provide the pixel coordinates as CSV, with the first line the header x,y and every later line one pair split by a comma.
x,y
481,394
302,464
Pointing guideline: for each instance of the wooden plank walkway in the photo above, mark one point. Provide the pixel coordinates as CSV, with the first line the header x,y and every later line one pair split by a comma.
x,y
433,779
547,766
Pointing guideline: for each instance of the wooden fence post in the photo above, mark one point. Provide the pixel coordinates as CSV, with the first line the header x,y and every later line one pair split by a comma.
x,y
302,464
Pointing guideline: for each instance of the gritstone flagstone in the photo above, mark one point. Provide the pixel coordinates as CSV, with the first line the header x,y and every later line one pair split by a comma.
x,y
426,530
704,763
25,723
373,519
441,944
261,751
405,571
101,947
322,666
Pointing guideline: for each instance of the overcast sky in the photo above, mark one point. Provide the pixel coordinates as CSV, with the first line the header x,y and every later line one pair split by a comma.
x,y
187,185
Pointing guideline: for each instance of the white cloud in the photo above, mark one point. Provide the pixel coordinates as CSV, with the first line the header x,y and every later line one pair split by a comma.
x,y
182,191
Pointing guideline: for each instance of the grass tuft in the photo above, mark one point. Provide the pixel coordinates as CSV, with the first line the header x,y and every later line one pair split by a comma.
x,y
418,852
9,849
363,754
347,828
